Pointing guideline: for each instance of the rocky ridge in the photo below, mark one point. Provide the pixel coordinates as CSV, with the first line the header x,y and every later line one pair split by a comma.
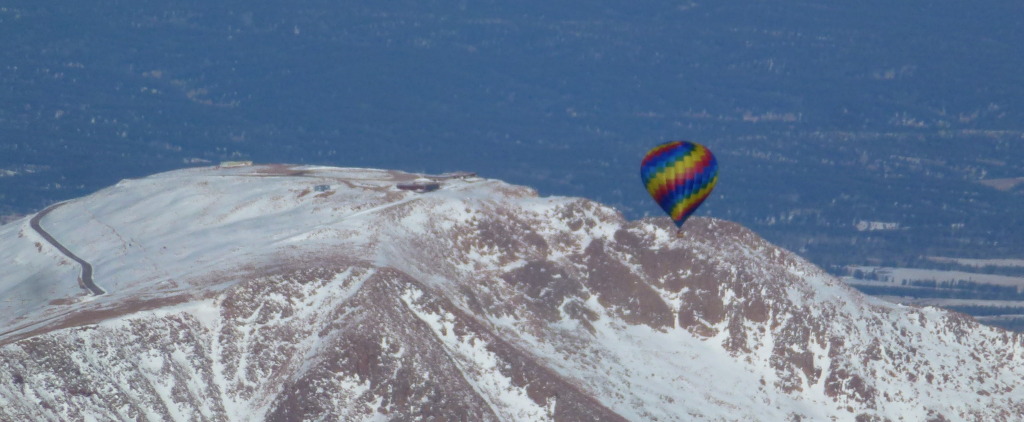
x,y
245,293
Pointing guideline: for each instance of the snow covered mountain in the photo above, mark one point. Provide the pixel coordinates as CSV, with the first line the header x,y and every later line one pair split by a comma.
x,y
313,293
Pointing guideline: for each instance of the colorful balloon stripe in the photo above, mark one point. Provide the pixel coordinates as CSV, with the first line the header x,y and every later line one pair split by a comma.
x,y
679,175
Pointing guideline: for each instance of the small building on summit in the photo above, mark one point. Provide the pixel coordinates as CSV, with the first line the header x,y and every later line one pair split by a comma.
x,y
453,175
419,186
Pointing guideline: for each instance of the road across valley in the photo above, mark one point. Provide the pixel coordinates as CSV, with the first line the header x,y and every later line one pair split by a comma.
x,y
86,277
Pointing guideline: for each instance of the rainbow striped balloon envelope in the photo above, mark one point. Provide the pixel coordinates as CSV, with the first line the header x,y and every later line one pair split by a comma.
x,y
679,175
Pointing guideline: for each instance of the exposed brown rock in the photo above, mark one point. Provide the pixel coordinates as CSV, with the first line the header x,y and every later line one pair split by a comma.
x,y
499,303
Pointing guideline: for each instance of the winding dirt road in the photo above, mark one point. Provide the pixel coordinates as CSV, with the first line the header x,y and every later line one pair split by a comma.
x,y
86,278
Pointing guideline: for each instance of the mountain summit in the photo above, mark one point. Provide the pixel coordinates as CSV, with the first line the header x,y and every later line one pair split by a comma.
x,y
315,293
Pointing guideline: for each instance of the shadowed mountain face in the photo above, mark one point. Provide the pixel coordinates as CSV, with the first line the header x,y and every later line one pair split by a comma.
x,y
476,301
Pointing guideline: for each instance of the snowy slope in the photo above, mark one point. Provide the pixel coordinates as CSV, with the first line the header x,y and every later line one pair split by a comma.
x,y
245,294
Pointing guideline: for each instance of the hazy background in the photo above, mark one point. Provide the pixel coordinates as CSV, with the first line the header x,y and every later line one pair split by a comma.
x,y
870,133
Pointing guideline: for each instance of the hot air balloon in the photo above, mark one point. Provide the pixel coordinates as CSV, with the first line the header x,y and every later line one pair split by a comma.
x,y
679,175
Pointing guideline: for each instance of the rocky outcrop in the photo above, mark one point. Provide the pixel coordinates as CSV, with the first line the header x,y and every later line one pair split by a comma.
x,y
482,301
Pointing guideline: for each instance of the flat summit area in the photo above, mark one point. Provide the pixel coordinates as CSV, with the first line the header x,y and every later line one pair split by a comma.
x,y
281,292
